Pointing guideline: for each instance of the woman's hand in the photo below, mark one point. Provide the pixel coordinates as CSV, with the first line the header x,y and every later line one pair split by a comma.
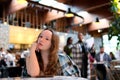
x,y
34,46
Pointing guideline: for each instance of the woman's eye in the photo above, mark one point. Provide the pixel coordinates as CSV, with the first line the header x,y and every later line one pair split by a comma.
x,y
47,39
41,36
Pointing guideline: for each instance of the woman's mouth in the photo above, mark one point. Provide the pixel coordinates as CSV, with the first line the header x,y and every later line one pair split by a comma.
x,y
41,44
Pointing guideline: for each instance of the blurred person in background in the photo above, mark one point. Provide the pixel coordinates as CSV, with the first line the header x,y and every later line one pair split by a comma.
x,y
68,46
2,52
19,61
2,59
112,56
105,59
80,54
10,58
92,51
117,53
92,54
21,64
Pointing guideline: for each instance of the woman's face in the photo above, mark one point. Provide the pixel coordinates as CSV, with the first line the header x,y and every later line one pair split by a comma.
x,y
44,40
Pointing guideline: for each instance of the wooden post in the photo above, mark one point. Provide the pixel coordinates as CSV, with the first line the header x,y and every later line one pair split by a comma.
x,y
22,12
3,15
36,18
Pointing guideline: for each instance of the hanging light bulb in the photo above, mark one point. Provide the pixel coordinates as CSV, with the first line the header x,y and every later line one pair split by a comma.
x,y
36,29
80,25
99,31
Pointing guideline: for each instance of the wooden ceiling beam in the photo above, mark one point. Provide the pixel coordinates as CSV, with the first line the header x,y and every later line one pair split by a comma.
x,y
97,6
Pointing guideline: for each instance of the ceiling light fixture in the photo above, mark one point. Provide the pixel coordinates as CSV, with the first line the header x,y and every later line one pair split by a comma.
x,y
97,20
22,1
69,13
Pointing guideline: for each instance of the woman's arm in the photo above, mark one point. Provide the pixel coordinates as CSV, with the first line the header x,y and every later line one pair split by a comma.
x,y
32,63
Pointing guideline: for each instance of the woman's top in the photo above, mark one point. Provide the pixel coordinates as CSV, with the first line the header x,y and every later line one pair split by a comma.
x,y
67,66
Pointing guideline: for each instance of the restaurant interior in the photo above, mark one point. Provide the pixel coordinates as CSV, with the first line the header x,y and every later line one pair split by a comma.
x,y
37,14
21,21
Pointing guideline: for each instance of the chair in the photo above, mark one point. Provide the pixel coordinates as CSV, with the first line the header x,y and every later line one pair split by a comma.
x,y
14,71
113,73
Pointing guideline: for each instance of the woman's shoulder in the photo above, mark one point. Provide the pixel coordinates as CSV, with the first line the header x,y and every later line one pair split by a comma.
x,y
68,66
62,55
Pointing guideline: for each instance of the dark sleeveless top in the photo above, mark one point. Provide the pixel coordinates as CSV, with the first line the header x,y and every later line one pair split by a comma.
x,y
60,73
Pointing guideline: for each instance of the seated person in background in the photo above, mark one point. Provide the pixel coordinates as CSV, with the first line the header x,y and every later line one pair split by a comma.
x,y
44,59
102,57
17,70
2,52
2,62
9,58
2,66
112,56
19,61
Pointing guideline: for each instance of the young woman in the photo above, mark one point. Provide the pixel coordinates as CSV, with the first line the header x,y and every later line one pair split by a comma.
x,y
44,59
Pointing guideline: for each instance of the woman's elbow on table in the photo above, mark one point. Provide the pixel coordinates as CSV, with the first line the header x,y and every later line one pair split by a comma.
x,y
32,68
33,73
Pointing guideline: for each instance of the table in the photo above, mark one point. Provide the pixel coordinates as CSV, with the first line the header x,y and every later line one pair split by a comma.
x,y
115,62
100,69
98,63
117,66
12,71
48,78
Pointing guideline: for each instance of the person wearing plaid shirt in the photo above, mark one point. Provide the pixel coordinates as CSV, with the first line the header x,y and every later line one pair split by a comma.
x,y
79,55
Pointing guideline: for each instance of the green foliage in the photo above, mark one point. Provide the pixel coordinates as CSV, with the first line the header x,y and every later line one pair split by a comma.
x,y
114,29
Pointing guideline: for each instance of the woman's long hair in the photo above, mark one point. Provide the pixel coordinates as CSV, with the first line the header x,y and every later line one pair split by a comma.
x,y
52,67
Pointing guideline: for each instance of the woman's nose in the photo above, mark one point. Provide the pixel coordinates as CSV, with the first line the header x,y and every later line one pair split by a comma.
x,y
41,39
